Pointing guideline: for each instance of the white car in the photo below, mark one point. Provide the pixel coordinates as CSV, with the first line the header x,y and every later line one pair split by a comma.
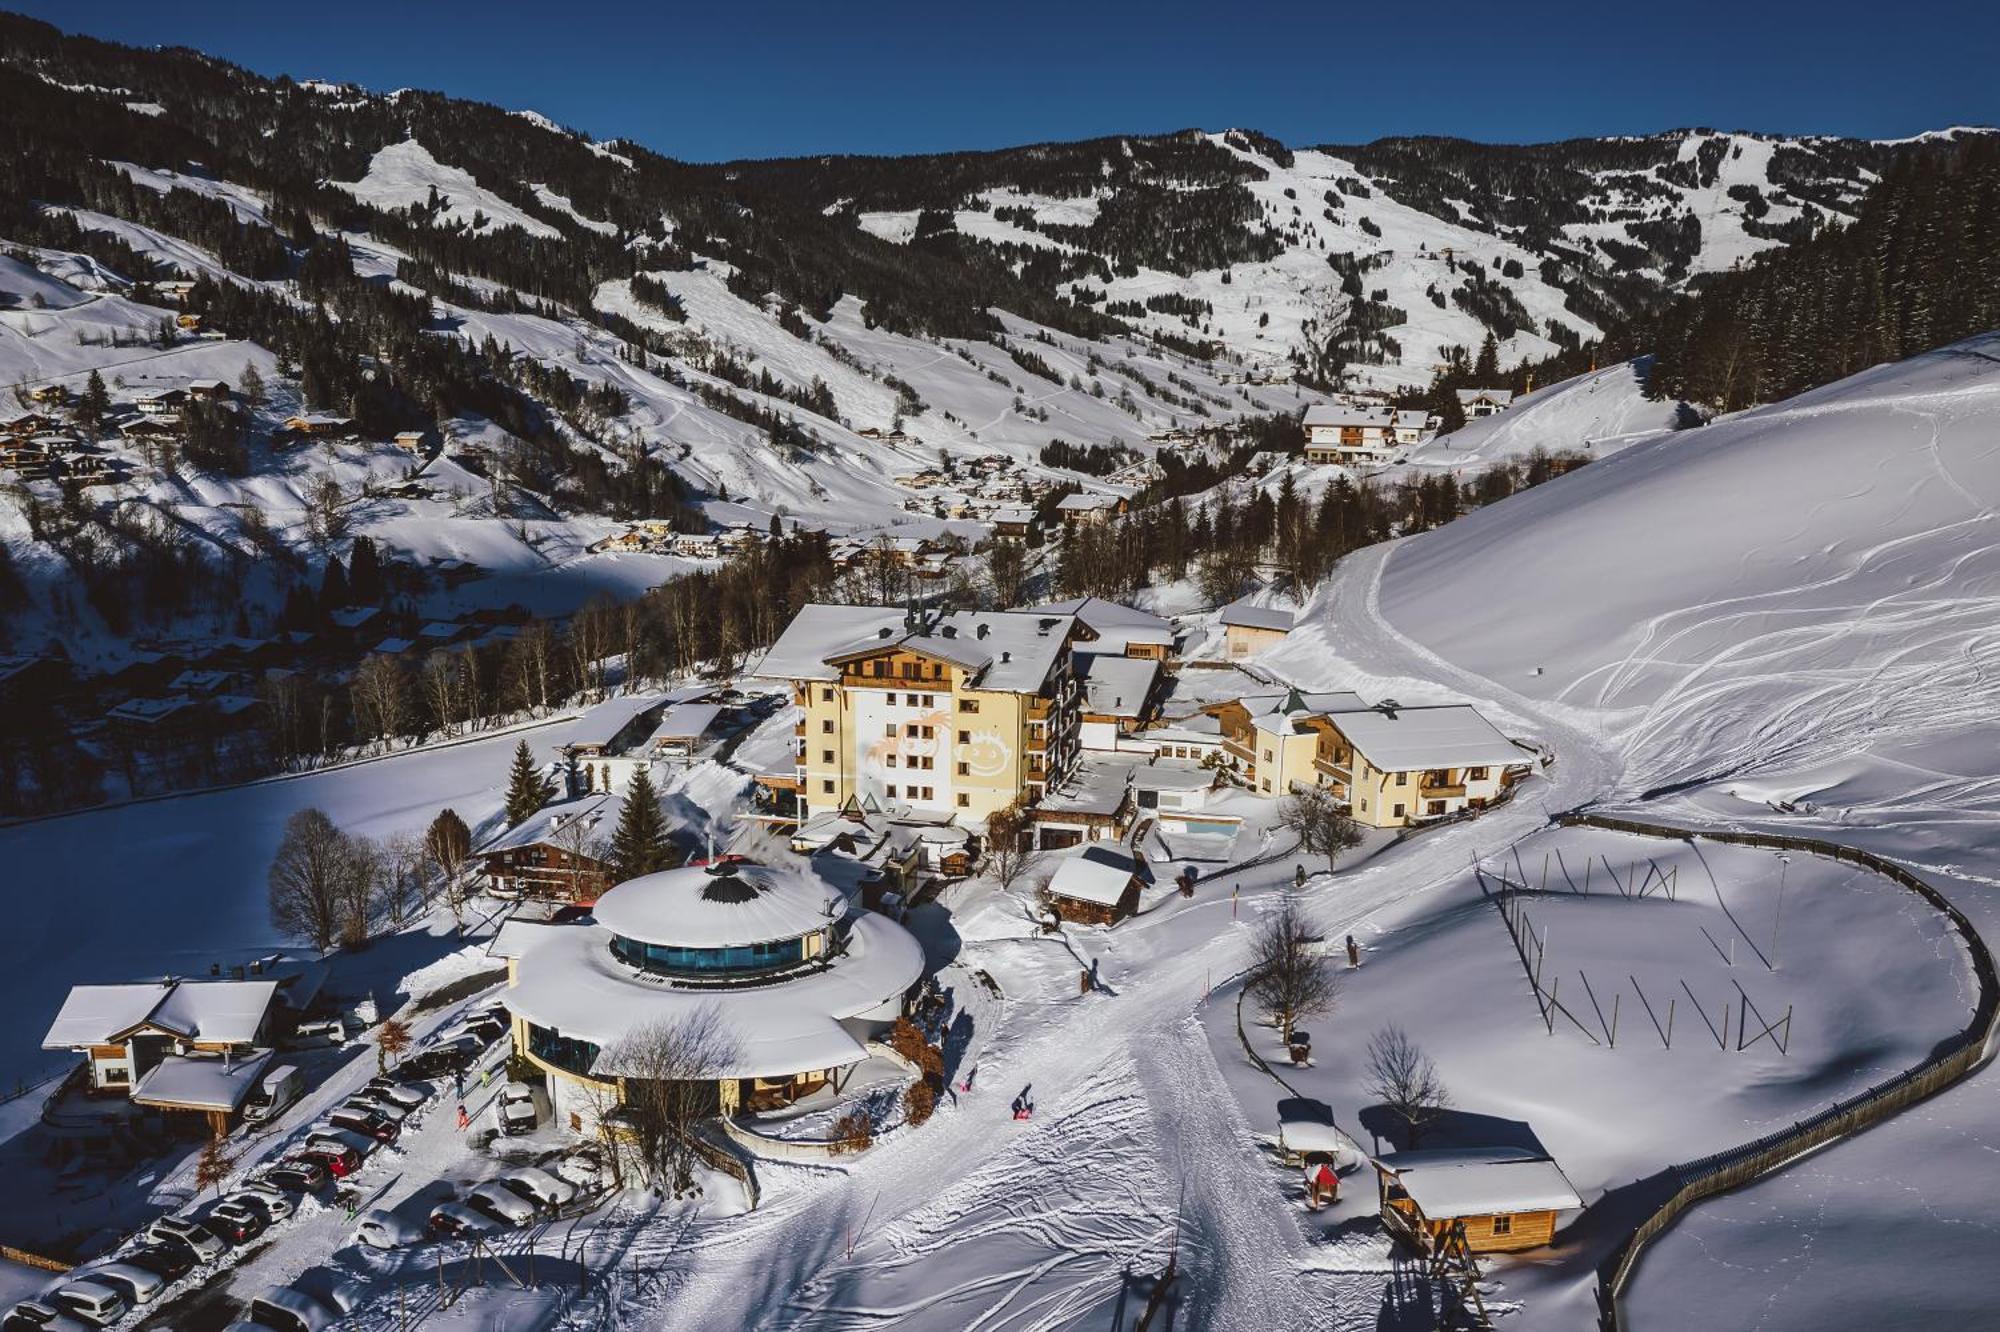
x,y
43,1314
207,1245
328,1134
383,1229
283,1309
98,1303
402,1093
500,1203
394,1111
517,1109
538,1186
273,1201
136,1284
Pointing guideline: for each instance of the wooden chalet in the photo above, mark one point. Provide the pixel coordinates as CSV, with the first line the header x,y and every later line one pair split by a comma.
x,y
560,853
1098,886
1505,1198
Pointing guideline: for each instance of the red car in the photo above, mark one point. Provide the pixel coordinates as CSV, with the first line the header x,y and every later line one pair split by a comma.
x,y
338,1164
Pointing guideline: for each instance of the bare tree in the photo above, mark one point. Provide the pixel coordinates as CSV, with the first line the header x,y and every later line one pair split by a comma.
x,y
1403,1078
1323,828
1007,571
327,517
668,1070
212,1168
1007,852
392,1038
360,885
441,690
311,878
381,696
448,845
403,869
1290,977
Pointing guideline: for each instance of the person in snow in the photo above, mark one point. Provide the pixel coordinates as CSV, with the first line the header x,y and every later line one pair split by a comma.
x,y
1353,952
966,1086
458,1081
1298,876
485,1076
1322,1185
464,1120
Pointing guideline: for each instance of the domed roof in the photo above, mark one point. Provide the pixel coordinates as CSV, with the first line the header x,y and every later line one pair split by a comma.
x,y
720,906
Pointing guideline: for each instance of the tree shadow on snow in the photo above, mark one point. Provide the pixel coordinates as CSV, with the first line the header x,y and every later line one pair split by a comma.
x,y
1451,1129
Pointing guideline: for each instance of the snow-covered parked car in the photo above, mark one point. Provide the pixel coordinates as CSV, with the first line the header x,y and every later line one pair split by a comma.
x,y
459,1222
271,1200
137,1284
98,1303
30,1315
500,1203
380,1228
186,1230
517,1109
584,1168
236,1221
283,1309
368,1102
538,1186
329,1136
406,1094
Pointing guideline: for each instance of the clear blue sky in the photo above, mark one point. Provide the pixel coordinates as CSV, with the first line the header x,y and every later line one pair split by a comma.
x,y
710,81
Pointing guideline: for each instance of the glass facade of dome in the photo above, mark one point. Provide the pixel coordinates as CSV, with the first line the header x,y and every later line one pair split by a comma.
x,y
710,963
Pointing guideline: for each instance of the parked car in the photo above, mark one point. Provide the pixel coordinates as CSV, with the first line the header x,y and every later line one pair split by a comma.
x,y
137,1284
169,1262
368,1102
383,1229
538,1186
272,1096
409,1096
517,1109
94,1302
283,1309
319,1031
502,1204
481,1029
186,1230
339,1163
367,1122
326,1134
294,1174
37,1315
584,1168
457,1222
238,1222
271,1200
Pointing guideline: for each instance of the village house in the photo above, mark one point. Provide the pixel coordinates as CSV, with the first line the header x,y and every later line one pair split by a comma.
x,y
152,429
409,441
1480,402
1090,510
209,390
1343,435
1098,886
176,290
965,712
190,1045
1015,523
797,981
1117,629
606,744
1248,629
1506,1198
1094,803
163,403
1271,739
1177,795
50,395
1395,766
1120,696
1412,425
319,425
560,853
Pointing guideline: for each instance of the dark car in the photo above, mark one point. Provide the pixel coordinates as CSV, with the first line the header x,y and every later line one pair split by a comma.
x,y
237,1222
295,1174
368,1123
170,1262
438,1061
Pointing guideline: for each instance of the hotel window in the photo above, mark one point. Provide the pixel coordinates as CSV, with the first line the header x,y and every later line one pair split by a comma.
x,y
826,727
930,793
826,756
965,769
1476,775
826,788
964,800
924,731
892,700
1503,1225
968,705
1402,779
890,730
965,737
826,696
890,760
1399,811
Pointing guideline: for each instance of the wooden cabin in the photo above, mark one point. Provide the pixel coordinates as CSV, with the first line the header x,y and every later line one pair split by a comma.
x,y
1506,1198
1098,887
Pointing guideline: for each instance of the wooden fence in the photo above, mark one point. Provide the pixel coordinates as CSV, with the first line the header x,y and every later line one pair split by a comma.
x,y
1964,1051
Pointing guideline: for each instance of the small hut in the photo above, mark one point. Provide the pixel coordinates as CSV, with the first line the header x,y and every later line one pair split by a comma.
x,y
1098,887
1505,1197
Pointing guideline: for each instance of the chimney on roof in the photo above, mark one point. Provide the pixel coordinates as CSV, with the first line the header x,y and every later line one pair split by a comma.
x,y
1006,656
981,630
883,632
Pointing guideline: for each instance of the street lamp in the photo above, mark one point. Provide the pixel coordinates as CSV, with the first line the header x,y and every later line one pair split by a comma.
x,y
1777,924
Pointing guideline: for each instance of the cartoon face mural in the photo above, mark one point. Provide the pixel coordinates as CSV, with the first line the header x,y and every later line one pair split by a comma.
x,y
985,755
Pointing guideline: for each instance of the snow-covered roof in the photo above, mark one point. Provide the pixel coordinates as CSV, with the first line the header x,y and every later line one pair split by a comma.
x,y
1478,1181
1329,414
1172,776
353,617
223,1011
572,983
1257,617
599,813
1412,418
1084,502
182,1082
92,1014
1096,786
601,724
1114,623
1098,874
515,938
732,904
686,721
1467,397
1306,1125
1405,739
1008,651
1117,686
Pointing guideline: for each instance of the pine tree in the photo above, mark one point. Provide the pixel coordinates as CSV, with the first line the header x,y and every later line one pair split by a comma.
x,y
640,845
95,404
1487,368
364,573
250,386
333,590
527,789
